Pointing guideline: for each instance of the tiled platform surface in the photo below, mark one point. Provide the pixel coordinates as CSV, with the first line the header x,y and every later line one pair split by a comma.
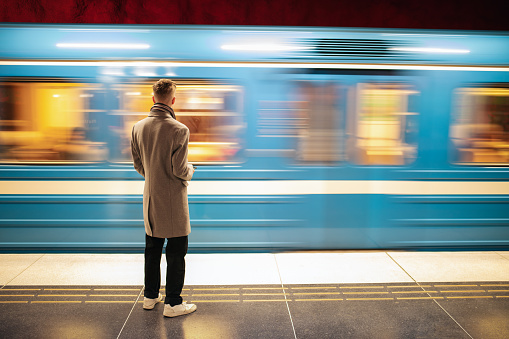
x,y
284,295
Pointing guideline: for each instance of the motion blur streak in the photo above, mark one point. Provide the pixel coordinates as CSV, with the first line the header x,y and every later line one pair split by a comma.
x,y
431,50
104,46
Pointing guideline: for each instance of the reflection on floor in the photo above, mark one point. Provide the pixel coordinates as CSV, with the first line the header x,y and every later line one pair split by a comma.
x,y
335,294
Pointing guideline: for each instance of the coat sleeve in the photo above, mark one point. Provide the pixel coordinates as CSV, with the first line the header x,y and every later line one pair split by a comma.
x,y
181,169
135,150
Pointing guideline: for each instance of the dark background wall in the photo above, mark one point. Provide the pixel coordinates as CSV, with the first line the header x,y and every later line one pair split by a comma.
x,y
441,14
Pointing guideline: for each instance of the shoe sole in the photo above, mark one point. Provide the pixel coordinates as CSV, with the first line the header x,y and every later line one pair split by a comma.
x,y
176,315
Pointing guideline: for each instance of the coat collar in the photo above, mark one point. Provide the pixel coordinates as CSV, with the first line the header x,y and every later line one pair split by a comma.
x,y
160,109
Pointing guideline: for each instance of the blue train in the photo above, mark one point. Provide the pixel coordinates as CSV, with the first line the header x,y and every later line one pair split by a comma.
x,y
304,138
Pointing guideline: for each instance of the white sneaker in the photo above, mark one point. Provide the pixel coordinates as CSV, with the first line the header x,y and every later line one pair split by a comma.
x,y
149,304
177,310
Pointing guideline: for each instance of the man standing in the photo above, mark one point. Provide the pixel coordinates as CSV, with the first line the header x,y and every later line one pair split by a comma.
x,y
159,147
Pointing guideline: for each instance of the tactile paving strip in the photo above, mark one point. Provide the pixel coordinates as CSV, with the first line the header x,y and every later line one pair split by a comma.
x,y
260,293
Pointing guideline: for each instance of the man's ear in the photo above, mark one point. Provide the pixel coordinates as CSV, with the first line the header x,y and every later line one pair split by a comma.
x,y
153,99
173,101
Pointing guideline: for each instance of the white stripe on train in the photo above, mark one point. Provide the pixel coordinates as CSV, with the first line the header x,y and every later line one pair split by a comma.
x,y
317,65
261,187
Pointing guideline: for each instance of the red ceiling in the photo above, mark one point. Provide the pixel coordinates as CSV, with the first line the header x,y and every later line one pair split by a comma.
x,y
446,14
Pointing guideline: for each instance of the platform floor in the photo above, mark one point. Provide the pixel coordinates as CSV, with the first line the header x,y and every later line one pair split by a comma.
x,y
338,294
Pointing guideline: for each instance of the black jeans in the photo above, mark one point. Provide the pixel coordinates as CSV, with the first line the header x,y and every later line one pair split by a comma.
x,y
176,250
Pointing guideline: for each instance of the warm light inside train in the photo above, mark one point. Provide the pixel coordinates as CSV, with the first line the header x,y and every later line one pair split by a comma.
x,y
371,123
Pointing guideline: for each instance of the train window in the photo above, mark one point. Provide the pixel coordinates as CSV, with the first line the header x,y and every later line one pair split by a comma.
x,y
480,128
319,130
48,122
212,112
384,129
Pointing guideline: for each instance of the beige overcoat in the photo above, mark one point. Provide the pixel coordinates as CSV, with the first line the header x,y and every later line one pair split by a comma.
x,y
159,147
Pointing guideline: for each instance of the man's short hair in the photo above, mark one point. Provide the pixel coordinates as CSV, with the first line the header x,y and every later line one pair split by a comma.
x,y
164,89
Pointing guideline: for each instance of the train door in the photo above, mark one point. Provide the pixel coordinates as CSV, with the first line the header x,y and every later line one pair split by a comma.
x,y
317,143
383,125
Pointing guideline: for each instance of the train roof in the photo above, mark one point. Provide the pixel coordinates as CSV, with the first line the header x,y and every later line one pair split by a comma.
x,y
252,44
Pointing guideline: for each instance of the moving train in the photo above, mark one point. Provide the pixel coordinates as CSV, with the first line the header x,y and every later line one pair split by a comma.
x,y
303,138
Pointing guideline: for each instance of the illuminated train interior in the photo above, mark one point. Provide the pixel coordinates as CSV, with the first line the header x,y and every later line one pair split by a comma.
x,y
64,122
